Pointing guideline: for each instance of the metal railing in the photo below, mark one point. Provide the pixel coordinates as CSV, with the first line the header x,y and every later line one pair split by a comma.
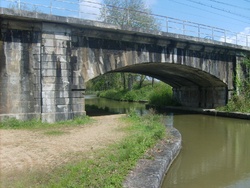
x,y
86,9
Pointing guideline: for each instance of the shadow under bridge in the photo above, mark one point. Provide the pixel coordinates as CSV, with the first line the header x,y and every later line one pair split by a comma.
x,y
191,86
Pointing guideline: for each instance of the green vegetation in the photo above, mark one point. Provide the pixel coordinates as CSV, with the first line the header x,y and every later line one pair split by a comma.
x,y
12,123
160,94
134,14
240,102
107,167
136,95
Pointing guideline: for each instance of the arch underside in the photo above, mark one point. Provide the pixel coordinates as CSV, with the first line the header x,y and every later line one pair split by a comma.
x,y
175,75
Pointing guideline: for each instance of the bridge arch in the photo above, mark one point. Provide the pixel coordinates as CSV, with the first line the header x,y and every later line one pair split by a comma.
x,y
200,76
191,86
175,75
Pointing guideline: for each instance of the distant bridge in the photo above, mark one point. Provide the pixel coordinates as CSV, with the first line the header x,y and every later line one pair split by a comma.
x,y
45,61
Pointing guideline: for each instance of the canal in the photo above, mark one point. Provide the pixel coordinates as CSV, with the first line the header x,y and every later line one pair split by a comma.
x,y
215,150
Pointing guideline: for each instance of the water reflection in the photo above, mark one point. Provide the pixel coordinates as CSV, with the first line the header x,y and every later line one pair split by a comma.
x,y
115,106
170,119
215,153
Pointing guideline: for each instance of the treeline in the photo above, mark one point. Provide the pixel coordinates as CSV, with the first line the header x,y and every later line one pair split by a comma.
x,y
119,81
132,87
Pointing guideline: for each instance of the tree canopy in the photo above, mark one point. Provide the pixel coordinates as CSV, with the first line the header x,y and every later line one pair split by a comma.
x,y
132,13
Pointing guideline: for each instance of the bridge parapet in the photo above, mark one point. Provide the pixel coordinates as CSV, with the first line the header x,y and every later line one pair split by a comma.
x,y
91,10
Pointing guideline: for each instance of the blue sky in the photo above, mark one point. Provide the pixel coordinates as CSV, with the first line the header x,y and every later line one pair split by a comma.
x,y
232,15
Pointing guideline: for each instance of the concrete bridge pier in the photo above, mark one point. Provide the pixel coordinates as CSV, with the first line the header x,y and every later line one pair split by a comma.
x,y
201,97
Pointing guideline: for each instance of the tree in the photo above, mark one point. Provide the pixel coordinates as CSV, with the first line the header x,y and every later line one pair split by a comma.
x,y
105,82
132,13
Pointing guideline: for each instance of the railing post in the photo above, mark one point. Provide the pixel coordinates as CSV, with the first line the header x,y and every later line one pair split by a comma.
x,y
79,8
19,5
225,36
105,13
183,27
247,40
128,16
166,24
50,7
212,33
199,31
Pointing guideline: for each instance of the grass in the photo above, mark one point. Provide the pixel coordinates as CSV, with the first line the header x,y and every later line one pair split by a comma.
x,y
107,167
12,123
160,94
239,102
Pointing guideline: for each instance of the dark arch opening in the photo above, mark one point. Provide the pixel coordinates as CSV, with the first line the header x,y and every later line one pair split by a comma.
x,y
175,75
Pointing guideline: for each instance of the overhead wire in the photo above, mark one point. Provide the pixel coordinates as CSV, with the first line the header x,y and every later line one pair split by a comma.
x,y
228,4
205,10
220,9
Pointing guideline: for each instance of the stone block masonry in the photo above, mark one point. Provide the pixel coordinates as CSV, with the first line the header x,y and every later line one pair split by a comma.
x,y
38,76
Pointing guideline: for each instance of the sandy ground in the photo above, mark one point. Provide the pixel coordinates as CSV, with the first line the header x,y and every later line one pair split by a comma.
x,y
22,150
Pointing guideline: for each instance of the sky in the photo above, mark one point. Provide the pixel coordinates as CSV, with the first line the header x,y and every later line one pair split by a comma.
x,y
231,15
227,14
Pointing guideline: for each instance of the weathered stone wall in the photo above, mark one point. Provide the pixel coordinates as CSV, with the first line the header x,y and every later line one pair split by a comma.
x,y
201,97
62,83
19,62
39,77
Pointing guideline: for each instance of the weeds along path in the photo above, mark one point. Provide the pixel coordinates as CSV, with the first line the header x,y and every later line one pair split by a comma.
x,y
22,150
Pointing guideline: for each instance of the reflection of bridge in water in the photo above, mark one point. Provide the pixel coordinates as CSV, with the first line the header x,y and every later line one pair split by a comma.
x,y
48,59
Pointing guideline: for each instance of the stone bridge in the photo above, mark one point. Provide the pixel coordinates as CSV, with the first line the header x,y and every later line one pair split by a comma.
x,y
45,61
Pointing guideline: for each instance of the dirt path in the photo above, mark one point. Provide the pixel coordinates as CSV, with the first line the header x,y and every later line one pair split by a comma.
x,y
28,149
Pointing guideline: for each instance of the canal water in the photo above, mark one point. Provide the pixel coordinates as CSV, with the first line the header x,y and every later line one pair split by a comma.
x,y
215,150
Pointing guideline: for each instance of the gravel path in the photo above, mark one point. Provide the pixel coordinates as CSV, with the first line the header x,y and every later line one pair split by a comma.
x,y
22,150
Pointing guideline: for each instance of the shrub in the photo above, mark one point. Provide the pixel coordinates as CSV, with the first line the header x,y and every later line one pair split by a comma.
x,y
162,96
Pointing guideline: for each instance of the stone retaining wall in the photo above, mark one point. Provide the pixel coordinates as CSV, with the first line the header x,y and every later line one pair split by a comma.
x,y
150,173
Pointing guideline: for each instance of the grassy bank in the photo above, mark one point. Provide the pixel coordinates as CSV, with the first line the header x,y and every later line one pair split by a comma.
x,y
12,123
107,167
237,104
160,94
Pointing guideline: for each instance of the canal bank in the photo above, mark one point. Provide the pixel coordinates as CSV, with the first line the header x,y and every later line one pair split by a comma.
x,y
212,112
150,171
